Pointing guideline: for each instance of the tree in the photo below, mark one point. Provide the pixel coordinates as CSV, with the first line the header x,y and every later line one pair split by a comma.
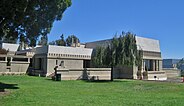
x,y
98,56
30,18
61,41
107,56
121,51
3,51
72,39
114,50
52,43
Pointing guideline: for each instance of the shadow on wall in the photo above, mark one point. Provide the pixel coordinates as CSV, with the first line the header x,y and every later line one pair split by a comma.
x,y
84,75
4,86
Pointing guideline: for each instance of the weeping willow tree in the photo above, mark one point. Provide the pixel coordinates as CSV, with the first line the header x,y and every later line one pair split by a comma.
x,y
121,51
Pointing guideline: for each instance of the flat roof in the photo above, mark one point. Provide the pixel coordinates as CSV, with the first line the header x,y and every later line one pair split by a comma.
x,y
145,44
64,50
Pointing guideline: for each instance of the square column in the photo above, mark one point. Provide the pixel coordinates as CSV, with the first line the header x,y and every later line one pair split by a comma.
x,y
160,65
143,66
157,65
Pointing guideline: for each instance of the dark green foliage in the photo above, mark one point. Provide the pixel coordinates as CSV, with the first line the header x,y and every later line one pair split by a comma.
x,y
3,51
107,56
98,57
61,41
121,51
29,18
52,43
72,39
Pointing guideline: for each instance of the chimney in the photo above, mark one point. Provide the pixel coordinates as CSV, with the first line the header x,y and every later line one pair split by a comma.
x,y
72,45
77,41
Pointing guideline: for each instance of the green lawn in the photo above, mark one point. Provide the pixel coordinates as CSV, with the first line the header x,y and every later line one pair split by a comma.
x,y
44,92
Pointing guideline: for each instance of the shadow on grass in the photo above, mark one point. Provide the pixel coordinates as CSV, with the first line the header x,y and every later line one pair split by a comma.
x,y
104,81
49,79
92,81
4,86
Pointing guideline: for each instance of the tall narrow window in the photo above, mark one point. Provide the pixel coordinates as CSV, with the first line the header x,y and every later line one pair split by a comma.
x,y
56,62
8,61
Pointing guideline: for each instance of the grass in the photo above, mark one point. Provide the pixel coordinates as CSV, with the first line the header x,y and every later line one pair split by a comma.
x,y
27,90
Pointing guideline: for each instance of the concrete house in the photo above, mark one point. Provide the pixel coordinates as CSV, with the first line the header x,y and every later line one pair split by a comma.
x,y
74,62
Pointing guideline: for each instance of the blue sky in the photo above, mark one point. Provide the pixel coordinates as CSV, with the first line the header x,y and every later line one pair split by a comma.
x,y
92,20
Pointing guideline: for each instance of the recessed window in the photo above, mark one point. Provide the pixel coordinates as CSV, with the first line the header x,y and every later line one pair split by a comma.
x,y
56,62
2,58
8,61
20,59
61,64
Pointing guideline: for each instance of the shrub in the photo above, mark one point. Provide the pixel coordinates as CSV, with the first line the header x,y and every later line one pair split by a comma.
x,y
3,51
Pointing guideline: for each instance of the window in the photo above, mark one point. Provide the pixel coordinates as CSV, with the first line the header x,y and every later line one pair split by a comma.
x,y
8,61
31,63
56,62
20,59
62,64
2,58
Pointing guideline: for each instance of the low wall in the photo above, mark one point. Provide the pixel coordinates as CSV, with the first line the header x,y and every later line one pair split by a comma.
x,y
36,72
10,64
3,67
85,74
172,72
14,68
125,72
156,75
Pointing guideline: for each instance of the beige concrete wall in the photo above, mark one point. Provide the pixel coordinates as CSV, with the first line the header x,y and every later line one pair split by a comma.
x,y
3,66
160,65
125,72
68,64
172,72
156,75
86,74
16,67
19,66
